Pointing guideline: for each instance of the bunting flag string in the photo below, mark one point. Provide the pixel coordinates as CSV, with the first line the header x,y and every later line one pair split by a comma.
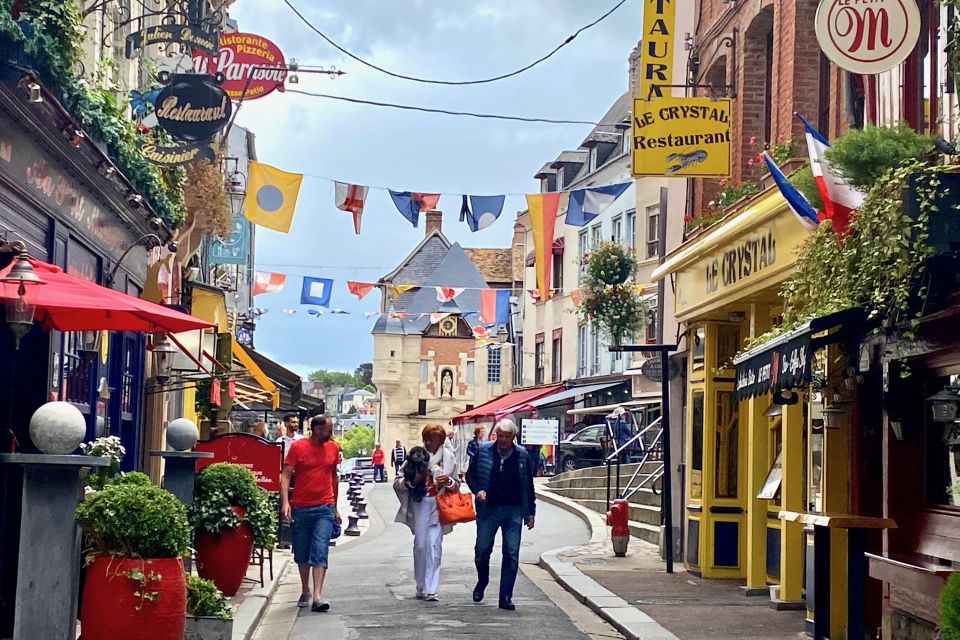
x,y
360,289
446,294
351,198
542,208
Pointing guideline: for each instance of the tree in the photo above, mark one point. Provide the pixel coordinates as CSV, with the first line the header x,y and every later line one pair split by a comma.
x,y
330,378
353,409
365,374
355,440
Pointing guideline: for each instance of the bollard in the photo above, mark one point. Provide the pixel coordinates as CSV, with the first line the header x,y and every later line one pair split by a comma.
x,y
361,510
617,518
352,528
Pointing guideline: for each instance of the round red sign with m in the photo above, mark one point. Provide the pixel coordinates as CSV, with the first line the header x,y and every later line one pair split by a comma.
x,y
867,36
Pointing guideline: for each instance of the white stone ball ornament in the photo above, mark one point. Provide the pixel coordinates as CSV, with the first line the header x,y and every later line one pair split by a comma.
x,y
182,434
57,428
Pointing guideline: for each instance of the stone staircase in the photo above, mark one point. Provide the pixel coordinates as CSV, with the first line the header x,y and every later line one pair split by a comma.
x,y
588,487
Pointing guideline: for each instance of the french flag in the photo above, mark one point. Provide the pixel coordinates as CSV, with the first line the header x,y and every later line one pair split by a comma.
x,y
495,305
840,199
806,214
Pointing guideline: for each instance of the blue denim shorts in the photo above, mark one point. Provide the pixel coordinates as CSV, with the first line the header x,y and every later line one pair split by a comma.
x,y
311,529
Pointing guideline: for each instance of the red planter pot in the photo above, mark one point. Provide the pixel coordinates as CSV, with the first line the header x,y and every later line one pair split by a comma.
x,y
224,557
111,609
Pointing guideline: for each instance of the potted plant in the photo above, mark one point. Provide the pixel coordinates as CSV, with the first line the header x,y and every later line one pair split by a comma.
x,y
134,586
229,514
608,294
950,609
209,617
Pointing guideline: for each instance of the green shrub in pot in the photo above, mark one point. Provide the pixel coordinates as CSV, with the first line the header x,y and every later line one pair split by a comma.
x,y
224,485
204,600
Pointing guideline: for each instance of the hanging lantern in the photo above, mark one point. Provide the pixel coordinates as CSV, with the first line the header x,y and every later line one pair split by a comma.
x,y
163,352
19,311
944,404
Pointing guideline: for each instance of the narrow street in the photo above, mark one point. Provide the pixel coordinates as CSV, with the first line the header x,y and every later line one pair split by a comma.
x,y
371,591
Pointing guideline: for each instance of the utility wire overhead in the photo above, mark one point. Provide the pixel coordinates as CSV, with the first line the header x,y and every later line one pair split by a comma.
x,y
453,82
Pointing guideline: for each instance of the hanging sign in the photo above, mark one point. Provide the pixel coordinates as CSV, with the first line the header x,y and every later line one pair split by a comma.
x,y
682,137
232,248
197,39
176,156
867,36
252,66
193,108
656,48
263,459
540,431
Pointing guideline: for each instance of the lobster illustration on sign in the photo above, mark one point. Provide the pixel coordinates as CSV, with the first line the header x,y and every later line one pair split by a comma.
x,y
684,160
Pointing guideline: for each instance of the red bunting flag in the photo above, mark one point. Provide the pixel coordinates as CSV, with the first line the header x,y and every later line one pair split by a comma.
x,y
360,289
266,282
446,294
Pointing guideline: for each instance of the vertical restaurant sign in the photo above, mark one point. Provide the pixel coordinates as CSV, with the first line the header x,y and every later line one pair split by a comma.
x,y
252,66
234,247
867,36
682,137
656,47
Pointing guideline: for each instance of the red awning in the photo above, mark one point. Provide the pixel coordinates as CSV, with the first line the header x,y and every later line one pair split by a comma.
x,y
67,303
490,410
558,247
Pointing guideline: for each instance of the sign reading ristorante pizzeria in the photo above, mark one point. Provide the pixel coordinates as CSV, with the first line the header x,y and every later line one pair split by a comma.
x,y
683,137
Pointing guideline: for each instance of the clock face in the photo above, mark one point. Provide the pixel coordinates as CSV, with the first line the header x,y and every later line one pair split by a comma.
x,y
448,327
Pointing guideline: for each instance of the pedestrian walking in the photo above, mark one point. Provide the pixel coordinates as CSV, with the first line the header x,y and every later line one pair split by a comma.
x,y
474,444
429,472
313,508
397,456
501,478
259,429
379,473
290,432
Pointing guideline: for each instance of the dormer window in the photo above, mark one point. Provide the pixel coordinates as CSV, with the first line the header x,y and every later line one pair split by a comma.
x,y
593,158
626,141
560,179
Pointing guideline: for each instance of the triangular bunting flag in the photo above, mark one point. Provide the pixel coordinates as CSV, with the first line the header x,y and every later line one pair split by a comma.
x,y
289,312
399,289
271,196
360,289
482,211
266,282
543,218
411,203
351,198
339,312
437,317
587,204
495,305
316,291
446,294
315,312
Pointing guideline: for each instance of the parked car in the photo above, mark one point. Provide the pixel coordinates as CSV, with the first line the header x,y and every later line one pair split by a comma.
x,y
582,449
348,466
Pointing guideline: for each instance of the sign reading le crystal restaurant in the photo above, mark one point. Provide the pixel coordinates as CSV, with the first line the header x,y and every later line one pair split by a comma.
x,y
687,137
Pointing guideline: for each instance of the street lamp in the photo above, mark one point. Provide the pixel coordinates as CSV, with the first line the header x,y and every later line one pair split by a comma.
x,y
163,352
944,404
19,311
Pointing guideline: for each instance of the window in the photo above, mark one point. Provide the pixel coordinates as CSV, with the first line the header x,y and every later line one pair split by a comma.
x,y
583,248
424,370
595,348
625,141
618,229
726,447
631,228
538,363
593,159
560,179
421,407
556,272
595,236
650,331
590,434
696,459
653,231
471,371
697,353
556,356
581,351
493,366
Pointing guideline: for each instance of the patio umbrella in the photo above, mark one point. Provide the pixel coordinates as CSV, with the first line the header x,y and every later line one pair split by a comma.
x,y
68,303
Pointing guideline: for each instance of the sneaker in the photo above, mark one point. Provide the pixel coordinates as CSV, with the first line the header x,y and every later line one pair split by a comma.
x,y
304,601
420,595
320,606
432,597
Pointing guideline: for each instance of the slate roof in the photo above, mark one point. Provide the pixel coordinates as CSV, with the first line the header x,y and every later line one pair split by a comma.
x,y
495,265
417,266
455,270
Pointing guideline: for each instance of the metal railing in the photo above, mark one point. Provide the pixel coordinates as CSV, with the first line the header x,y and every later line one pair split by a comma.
x,y
649,442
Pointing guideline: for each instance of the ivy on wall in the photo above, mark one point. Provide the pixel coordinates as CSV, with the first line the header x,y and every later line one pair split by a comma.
x,y
51,33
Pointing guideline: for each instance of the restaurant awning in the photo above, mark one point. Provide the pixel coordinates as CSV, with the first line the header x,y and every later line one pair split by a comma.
x,y
499,405
562,395
605,409
247,392
785,362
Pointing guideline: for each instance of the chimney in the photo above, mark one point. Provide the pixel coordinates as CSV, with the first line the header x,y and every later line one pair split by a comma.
x,y
434,222
634,73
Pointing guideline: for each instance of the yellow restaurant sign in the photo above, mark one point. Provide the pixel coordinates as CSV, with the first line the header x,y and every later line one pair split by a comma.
x,y
656,49
682,137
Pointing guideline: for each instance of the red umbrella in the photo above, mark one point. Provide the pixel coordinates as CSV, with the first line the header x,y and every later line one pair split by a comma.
x,y
68,303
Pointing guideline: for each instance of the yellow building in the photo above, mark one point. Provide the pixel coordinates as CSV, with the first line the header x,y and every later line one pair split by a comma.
x,y
752,450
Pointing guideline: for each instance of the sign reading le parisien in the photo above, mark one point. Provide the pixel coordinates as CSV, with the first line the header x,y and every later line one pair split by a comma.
x,y
867,36
688,137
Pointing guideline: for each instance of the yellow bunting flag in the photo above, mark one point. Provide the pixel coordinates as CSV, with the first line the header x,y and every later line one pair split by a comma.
x,y
543,219
271,196
400,289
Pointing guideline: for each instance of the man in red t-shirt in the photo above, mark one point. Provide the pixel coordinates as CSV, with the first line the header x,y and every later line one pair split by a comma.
x,y
379,472
314,506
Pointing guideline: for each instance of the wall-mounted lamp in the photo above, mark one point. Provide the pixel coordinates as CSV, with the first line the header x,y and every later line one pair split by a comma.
x,y
737,317
944,404
785,396
31,88
19,310
106,169
135,200
774,410
73,135
163,352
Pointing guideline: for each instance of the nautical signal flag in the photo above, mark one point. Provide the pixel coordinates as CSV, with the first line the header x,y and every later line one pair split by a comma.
x,y
806,214
316,291
446,294
543,219
271,196
360,289
587,204
480,212
411,203
495,305
266,282
351,198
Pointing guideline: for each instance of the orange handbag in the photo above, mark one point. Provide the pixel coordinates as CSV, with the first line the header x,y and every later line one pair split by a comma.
x,y
456,507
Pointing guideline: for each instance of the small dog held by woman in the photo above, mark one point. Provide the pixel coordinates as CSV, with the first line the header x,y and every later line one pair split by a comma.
x,y
415,470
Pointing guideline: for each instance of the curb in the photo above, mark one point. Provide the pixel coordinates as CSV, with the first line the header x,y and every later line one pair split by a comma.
x,y
628,620
247,616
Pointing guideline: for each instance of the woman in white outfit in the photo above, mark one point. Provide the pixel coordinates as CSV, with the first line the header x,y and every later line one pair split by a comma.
x,y
422,516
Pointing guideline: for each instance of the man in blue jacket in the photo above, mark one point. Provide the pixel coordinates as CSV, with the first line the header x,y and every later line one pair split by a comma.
x,y
501,478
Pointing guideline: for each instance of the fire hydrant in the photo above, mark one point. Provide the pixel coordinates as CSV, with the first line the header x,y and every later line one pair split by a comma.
x,y
617,519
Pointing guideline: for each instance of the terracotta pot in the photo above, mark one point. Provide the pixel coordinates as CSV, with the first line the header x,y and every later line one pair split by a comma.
x,y
224,557
112,609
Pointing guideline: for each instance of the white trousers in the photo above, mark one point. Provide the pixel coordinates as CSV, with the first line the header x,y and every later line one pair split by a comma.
x,y
427,545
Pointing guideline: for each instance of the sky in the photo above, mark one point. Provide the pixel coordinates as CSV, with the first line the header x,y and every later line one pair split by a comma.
x,y
410,150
